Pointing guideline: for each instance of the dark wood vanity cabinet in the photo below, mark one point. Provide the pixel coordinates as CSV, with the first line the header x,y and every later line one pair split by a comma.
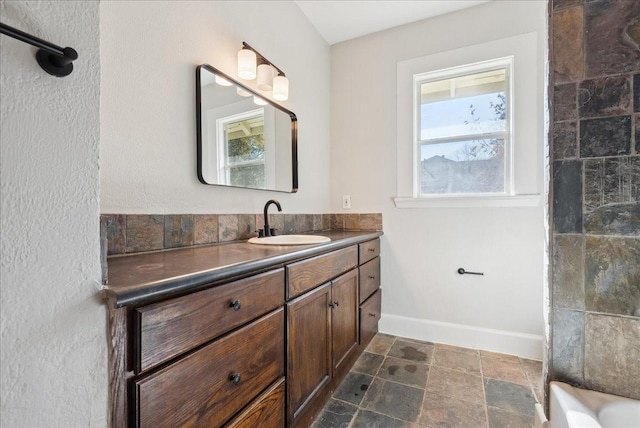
x,y
266,350
201,358
370,292
323,333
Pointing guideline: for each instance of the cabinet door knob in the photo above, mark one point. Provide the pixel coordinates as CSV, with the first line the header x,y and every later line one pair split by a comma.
x,y
235,304
372,277
235,378
336,303
331,304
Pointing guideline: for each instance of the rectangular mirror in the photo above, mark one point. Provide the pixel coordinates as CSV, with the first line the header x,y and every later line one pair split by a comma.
x,y
244,140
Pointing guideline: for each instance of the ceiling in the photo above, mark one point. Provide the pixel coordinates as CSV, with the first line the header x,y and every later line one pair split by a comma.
x,y
338,21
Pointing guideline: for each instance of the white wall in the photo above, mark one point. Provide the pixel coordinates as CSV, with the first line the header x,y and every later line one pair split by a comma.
x,y
53,344
423,296
149,52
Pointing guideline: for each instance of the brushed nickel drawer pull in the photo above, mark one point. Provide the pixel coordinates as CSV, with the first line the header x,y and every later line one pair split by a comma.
x,y
235,378
235,304
372,277
371,314
372,250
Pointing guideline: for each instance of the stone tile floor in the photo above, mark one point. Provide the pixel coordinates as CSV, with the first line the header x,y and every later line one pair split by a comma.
x,y
400,382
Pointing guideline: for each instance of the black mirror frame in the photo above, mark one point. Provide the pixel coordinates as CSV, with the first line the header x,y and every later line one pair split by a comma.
x,y
294,130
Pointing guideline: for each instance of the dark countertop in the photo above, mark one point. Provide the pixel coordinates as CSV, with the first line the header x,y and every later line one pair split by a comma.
x,y
143,278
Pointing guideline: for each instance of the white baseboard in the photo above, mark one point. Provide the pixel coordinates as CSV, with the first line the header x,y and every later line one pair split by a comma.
x,y
487,339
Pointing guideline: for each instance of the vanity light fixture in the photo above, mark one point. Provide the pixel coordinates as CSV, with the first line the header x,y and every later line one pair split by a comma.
x,y
270,77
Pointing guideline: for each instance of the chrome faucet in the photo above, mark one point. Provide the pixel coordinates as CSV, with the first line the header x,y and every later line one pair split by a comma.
x,y
267,230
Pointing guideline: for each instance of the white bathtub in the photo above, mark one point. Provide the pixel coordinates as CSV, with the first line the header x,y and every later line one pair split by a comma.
x,y
572,407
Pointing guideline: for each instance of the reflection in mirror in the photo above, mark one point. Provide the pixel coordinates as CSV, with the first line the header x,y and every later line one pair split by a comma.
x,y
243,139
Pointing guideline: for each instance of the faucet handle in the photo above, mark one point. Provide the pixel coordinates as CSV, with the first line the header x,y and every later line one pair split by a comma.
x,y
260,233
272,230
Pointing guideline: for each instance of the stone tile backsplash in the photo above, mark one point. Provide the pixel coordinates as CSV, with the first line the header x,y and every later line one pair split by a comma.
x,y
595,153
132,233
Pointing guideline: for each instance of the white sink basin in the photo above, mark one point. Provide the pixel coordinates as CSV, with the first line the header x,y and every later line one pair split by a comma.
x,y
290,240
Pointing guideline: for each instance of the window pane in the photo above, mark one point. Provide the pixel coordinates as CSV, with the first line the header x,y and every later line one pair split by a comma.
x,y
472,166
246,149
247,176
464,105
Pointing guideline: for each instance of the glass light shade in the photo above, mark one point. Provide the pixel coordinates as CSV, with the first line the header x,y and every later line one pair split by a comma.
x,y
246,64
259,101
281,88
242,92
222,81
265,77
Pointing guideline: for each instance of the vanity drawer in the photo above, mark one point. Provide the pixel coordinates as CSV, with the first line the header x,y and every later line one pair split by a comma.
x,y
307,274
167,329
369,317
369,278
199,390
368,250
266,411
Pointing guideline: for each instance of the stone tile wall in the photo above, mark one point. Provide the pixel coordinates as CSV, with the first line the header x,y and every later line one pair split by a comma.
x,y
132,233
595,58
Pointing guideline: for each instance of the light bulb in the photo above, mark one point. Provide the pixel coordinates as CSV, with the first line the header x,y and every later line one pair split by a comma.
x,y
265,77
281,88
247,64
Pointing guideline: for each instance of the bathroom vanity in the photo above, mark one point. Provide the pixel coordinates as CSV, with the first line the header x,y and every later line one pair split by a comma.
x,y
239,335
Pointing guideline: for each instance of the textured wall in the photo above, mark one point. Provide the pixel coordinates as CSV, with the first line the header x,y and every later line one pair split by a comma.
x,y
596,186
149,52
54,367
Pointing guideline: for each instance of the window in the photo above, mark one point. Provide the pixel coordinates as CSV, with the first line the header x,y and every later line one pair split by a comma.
x,y
462,130
476,158
242,152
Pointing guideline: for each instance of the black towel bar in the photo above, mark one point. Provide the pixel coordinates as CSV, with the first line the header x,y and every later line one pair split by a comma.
x,y
53,59
461,271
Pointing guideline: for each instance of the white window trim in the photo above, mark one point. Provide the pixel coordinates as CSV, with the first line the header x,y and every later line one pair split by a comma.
x,y
499,63
224,167
523,188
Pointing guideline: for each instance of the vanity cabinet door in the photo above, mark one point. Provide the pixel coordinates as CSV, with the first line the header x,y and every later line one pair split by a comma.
x,y
309,348
344,318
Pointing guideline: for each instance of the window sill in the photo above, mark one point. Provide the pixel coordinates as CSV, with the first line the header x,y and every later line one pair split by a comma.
x,y
469,201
